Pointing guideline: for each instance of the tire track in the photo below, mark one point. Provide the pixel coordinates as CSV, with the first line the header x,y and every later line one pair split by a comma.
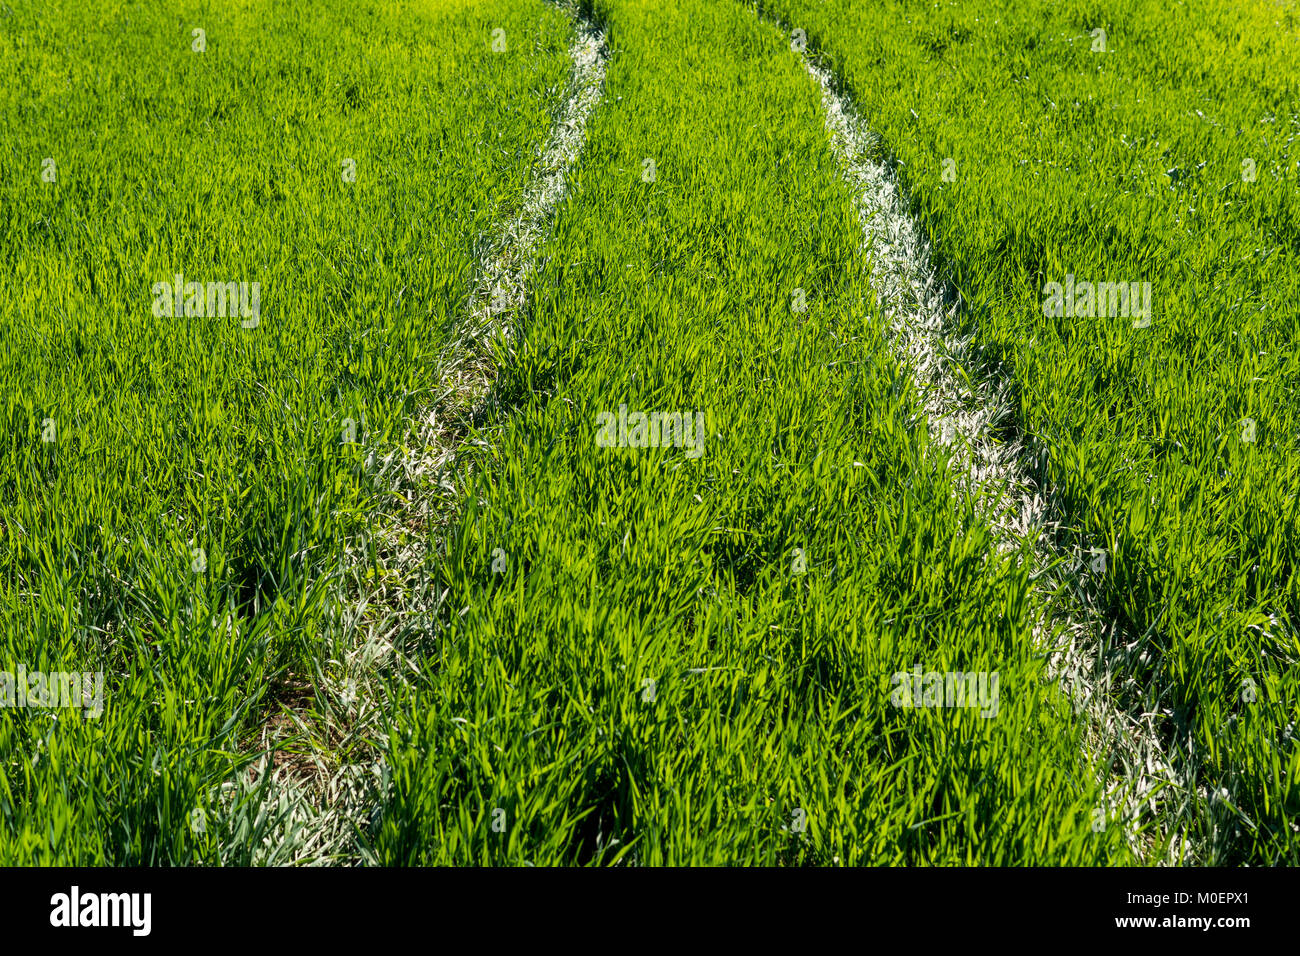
x,y
965,416
384,616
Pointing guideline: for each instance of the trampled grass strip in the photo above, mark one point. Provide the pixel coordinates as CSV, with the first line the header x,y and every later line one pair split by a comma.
x,y
387,600
1059,155
968,415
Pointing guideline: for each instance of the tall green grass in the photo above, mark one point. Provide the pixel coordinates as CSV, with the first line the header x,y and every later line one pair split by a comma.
x,y
641,655
172,435
1175,447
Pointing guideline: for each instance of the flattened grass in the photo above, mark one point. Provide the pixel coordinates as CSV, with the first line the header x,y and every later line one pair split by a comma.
x,y
1175,447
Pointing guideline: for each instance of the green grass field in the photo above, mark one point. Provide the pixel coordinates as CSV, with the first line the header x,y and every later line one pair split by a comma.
x,y
1175,447
592,637
196,442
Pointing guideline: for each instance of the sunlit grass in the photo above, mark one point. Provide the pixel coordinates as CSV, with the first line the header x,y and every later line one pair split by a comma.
x,y
196,442
1169,159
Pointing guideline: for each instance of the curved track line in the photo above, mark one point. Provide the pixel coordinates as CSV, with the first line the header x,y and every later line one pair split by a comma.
x,y
380,618
964,415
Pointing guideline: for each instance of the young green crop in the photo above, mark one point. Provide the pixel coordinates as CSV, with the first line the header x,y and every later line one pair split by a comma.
x,y
1137,143
176,490
684,649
